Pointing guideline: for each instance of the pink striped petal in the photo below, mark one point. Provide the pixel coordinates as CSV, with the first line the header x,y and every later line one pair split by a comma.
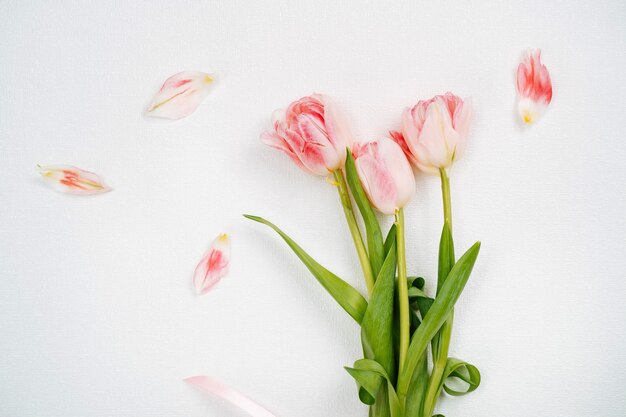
x,y
180,95
72,180
213,266
215,387
534,87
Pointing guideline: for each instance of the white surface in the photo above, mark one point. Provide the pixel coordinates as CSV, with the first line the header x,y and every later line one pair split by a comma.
x,y
97,314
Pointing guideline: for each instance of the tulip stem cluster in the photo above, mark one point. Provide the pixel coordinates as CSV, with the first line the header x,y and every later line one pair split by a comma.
x,y
344,194
399,320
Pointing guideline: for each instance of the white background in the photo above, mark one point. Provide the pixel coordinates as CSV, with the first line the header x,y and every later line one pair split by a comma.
x,y
97,314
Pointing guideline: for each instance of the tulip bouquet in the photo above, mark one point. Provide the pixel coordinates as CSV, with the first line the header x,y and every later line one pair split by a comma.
x,y
398,319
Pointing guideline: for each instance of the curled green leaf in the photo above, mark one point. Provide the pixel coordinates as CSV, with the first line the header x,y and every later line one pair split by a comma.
x,y
370,376
464,373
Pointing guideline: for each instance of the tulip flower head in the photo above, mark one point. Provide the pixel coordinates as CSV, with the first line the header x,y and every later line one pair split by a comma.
x,y
534,87
385,174
309,132
213,266
434,132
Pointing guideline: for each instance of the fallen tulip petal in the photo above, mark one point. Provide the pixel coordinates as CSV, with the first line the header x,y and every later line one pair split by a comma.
x,y
71,180
213,265
229,394
180,95
534,87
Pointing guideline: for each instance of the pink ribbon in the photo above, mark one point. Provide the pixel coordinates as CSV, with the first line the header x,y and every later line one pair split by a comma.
x,y
229,394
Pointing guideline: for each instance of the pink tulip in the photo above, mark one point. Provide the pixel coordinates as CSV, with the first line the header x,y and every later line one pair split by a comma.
x,y
180,95
71,180
310,133
385,174
434,132
534,87
213,266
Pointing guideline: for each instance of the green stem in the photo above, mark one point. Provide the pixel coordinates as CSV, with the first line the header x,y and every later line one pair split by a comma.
x,y
403,292
440,357
445,192
435,383
354,230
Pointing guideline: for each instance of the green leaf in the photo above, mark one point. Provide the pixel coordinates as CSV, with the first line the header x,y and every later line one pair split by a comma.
x,y
368,384
446,262
390,239
381,407
370,376
347,297
417,389
464,372
377,325
446,255
418,300
372,228
437,314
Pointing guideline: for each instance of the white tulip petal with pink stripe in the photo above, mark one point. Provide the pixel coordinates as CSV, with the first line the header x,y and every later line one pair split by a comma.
x,y
180,95
213,266
72,180
534,87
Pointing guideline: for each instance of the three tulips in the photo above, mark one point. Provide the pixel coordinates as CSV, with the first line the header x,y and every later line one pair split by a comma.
x,y
380,174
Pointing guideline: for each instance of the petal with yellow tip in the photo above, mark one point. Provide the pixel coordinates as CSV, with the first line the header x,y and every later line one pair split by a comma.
x,y
72,180
180,95
213,266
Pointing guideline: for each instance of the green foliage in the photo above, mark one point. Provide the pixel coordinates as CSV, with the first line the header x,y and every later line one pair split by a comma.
x,y
437,314
347,297
371,377
372,228
377,325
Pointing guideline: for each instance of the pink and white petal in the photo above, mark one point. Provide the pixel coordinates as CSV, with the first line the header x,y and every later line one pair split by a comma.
x,y
433,138
180,95
312,156
278,116
72,180
336,126
236,398
463,117
409,129
213,266
523,81
277,142
398,138
442,105
378,183
425,161
400,170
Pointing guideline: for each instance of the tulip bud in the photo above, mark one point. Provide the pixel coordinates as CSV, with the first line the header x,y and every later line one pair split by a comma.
x,y
213,265
71,180
309,132
434,132
180,95
534,87
385,174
